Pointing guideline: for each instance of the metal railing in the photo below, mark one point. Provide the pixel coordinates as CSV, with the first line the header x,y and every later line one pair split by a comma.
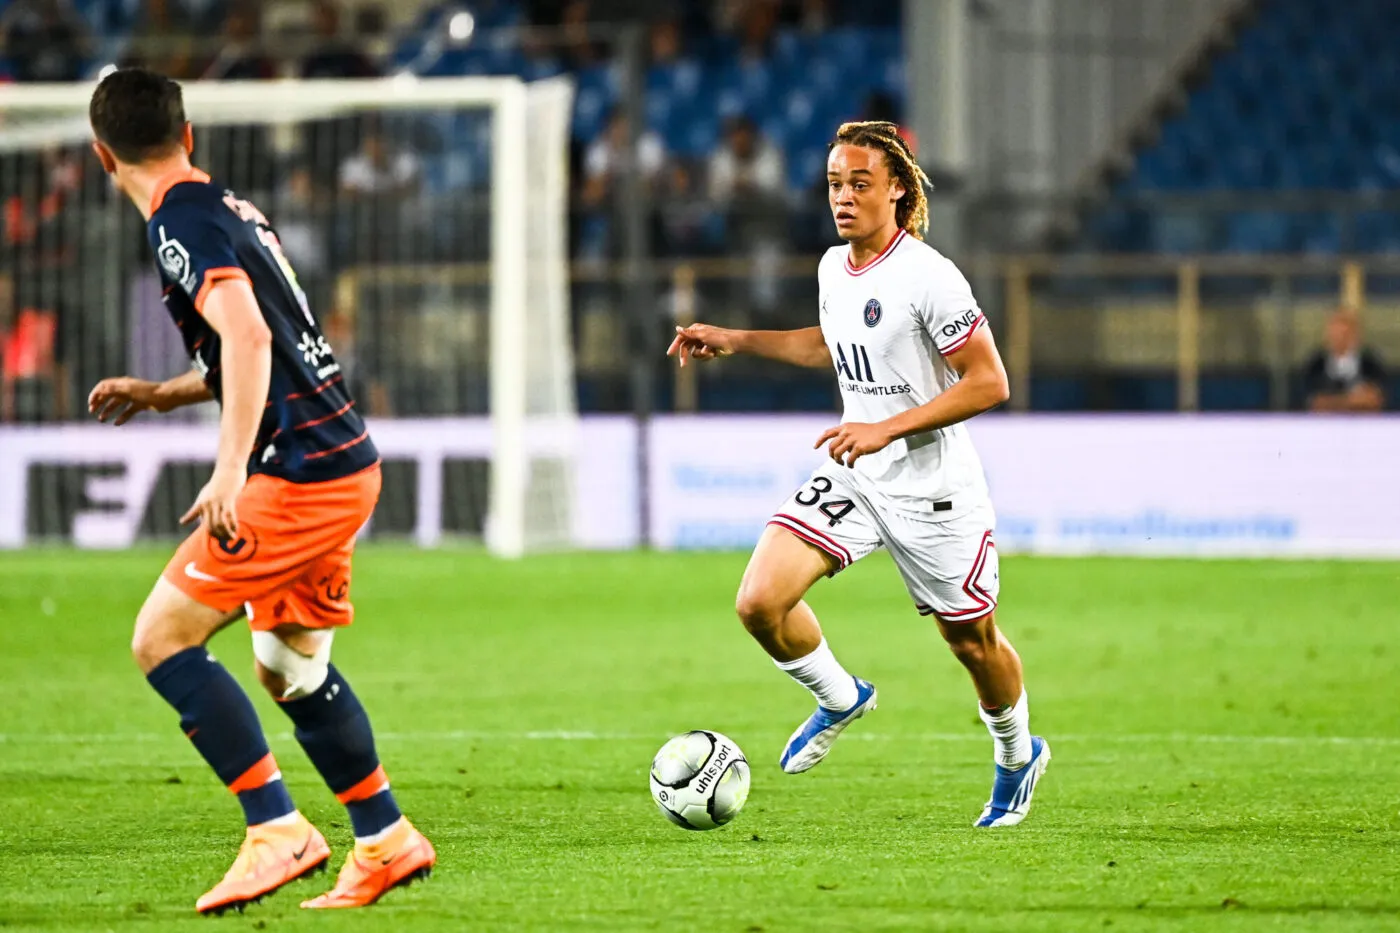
x,y
1187,318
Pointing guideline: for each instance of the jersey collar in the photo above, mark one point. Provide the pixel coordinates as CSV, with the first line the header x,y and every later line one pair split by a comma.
x,y
170,181
889,248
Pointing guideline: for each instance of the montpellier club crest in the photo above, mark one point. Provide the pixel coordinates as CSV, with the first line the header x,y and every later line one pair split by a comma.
x,y
872,313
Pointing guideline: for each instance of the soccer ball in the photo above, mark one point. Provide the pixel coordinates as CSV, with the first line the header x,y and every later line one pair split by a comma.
x,y
700,780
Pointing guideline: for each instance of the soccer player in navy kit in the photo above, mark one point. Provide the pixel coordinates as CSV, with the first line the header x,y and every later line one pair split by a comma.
x,y
296,477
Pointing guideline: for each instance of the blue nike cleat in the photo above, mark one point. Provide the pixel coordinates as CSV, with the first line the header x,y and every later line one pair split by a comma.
x,y
1011,791
810,743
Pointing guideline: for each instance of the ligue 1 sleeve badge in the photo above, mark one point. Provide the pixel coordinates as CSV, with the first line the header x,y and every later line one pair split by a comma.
x,y
872,313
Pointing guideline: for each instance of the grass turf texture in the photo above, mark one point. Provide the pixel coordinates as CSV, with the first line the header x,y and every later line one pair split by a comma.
x,y
1193,709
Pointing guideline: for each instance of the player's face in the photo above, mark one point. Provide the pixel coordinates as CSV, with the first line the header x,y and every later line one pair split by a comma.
x,y
861,191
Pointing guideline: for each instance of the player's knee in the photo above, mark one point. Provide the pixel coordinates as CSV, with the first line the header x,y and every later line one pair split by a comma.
x,y
145,649
292,664
154,639
760,610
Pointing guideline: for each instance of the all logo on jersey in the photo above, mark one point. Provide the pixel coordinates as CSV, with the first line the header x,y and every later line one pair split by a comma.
x,y
175,260
856,367
873,313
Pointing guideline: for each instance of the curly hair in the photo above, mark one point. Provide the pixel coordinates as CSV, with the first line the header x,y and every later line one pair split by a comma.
x,y
911,213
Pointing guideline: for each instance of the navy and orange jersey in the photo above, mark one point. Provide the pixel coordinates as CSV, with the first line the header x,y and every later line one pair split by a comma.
x,y
202,234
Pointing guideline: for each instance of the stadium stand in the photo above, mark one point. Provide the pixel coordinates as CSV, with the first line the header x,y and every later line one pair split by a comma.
x,y
1306,100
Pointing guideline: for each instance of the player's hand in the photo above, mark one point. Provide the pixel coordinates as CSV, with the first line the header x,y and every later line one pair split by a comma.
x,y
701,342
853,440
122,398
216,506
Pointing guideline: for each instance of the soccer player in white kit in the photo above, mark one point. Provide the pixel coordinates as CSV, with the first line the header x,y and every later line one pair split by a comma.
x,y
914,358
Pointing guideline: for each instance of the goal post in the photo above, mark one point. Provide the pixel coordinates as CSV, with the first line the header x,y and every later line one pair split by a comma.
x,y
448,288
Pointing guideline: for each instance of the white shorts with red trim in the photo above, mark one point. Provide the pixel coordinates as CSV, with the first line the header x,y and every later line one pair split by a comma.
x,y
949,566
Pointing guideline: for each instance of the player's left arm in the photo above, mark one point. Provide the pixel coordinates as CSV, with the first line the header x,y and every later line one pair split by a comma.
x,y
982,386
246,361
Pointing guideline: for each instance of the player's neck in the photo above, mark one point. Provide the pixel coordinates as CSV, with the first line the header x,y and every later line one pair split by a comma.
x,y
868,247
141,182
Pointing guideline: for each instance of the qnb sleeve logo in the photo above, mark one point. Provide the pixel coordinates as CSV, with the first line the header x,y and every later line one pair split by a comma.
x,y
961,323
175,260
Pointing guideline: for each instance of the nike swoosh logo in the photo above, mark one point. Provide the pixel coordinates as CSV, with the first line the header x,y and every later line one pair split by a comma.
x,y
387,860
297,855
195,573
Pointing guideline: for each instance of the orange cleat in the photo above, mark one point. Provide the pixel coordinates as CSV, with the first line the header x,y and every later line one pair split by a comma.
x,y
271,856
372,870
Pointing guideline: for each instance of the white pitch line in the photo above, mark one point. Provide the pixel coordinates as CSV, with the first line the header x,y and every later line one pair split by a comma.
x,y
467,735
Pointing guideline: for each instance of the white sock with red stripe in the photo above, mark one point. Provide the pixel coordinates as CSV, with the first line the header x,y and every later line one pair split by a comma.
x,y
822,674
1010,727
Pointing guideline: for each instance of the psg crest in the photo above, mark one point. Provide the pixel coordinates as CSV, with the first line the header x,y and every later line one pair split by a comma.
x,y
872,313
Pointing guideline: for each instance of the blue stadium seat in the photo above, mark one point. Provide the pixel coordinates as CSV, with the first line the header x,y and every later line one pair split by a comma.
x,y
1308,99
1256,232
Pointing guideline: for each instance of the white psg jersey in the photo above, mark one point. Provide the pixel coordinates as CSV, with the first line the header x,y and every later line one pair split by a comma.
x,y
888,326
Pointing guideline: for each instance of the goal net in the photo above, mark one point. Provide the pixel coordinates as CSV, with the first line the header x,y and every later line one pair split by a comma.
x,y
427,222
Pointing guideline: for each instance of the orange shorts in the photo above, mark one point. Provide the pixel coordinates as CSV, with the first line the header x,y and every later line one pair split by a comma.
x,y
290,563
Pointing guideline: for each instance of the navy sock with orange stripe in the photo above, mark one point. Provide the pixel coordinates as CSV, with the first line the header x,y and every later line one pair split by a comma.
x,y
333,727
220,721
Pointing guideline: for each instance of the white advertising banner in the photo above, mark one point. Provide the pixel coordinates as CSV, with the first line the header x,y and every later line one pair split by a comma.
x,y
605,482
1083,484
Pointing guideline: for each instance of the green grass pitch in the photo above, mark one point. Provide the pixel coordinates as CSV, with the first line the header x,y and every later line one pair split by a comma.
x,y
1226,738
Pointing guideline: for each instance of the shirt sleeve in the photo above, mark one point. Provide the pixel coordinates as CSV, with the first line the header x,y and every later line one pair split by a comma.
x,y
950,314
194,251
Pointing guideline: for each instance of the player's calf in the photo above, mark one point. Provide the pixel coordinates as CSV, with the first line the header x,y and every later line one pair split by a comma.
x,y
334,730
992,663
215,713
219,720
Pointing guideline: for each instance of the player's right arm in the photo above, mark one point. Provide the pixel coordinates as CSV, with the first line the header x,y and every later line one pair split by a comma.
x,y
123,397
245,343
805,347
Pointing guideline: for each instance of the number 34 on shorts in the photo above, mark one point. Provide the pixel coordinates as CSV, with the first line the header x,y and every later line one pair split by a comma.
x,y
949,565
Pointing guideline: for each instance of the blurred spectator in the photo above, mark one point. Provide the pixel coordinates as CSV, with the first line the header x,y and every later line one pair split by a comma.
x,y
611,155
808,15
334,56
380,183
685,221
752,22
378,171
240,59
33,379
747,183
1344,375
40,242
580,49
664,41
300,227
163,39
45,40
607,159
747,167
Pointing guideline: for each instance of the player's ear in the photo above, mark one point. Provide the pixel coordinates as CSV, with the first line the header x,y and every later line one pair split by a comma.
x,y
104,155
187,138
